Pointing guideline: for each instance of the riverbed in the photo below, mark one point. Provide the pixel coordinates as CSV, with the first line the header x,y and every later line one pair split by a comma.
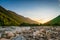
x,y
30,33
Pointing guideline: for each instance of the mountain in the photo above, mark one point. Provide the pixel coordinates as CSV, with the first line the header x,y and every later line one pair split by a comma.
x,y
55,21
10,18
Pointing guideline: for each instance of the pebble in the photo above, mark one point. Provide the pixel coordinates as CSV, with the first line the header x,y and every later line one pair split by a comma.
x,y
35,33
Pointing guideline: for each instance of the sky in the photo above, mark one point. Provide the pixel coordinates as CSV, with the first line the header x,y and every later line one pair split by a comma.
x,y
38,10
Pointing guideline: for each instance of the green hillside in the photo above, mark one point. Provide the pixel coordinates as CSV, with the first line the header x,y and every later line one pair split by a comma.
x,y
10,18
55,21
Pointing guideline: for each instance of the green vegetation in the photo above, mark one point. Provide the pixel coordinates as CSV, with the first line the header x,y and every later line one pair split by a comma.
x,y
9,18
27,24
54,22
6,21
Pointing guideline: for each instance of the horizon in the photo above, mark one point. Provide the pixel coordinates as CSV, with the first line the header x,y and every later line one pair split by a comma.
x,y
37,10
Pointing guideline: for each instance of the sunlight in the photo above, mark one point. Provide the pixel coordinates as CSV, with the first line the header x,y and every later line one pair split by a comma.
x,y
42,21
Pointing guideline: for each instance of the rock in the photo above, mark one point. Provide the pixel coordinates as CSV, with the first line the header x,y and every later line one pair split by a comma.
x,y
35,33
43,30
10,34
4,39
19,38
57,29
17,32
3,35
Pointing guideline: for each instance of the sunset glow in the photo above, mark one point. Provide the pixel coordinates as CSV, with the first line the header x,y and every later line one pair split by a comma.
x,y
42,21
38,10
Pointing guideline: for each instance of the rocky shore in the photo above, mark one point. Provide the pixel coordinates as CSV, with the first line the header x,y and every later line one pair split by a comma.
x,y
30,33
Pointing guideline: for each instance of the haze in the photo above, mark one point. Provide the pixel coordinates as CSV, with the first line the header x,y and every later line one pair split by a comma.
x,y
38,10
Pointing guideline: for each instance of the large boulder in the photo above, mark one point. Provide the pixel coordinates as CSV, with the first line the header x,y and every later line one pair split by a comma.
x,y
43,30
10,34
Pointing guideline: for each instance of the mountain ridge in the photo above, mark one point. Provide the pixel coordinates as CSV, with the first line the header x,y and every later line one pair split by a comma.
x,y
54,21
8,17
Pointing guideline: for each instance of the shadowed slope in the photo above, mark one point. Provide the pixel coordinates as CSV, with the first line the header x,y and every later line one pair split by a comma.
x,y
10,18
